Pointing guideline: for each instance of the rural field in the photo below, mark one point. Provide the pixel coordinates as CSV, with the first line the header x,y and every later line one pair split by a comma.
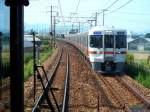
x,y
139,68
139,56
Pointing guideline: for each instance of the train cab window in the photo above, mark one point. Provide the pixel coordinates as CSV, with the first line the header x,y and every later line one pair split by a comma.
x,y
109,41
120,41
96,41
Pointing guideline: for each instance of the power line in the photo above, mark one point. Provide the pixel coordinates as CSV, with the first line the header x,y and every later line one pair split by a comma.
x,y
120,6
75,13
108,1
134,13
59,3
112,4
77,6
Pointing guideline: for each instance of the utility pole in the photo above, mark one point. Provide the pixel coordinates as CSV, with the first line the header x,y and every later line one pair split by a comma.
x,y
54,29
96,18
51,17
72,25
51,24
104,15
79,27
51,27
91,21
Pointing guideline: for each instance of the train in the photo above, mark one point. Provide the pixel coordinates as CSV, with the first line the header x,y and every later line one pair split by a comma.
x,y
105,47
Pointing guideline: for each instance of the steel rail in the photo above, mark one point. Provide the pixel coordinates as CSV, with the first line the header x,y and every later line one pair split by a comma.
x,y
48,84
66,92
137,94
115,93
123,104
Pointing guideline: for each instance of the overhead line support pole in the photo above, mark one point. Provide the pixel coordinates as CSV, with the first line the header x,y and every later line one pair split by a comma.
x,y
96,18
104,16
51,17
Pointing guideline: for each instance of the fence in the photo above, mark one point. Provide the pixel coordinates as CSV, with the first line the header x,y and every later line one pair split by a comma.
x,y
4,69
134,69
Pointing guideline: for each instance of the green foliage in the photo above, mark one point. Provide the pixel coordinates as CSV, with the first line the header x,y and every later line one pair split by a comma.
x,y
139,71
28,67
147,35
28,57
135,36
129,58
5,68
45,42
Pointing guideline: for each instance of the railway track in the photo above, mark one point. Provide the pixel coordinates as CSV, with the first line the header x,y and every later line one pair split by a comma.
x,y
77,87
58,83
139,88
138,95
123,96
48,88
86,93
128,98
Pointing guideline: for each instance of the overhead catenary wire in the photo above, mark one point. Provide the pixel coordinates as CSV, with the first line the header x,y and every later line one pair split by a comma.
x,y
77,7
60,8
112,4
101,11
134,13
76,10
120,7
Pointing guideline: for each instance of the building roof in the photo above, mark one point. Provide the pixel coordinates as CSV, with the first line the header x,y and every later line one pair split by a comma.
x,y
30,38
129,40
140,40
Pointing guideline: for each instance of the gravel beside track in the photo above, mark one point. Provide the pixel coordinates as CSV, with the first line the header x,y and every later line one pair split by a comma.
x,y
140,88
87,92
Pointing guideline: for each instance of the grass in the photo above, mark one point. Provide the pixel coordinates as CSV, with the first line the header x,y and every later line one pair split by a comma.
x,y
28,58
139,70
28,67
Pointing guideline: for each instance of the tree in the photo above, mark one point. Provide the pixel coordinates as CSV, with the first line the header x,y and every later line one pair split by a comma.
x,y
147,35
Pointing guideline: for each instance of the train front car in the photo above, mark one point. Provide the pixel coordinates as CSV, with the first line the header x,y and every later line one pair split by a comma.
x,y
107,49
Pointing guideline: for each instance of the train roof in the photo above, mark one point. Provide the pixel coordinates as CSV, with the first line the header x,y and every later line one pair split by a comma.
x,y
102,28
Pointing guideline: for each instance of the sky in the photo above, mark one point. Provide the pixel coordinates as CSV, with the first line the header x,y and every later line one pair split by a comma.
x,y
4,17
134,16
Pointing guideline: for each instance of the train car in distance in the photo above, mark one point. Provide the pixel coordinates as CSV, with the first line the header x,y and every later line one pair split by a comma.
x,y
105,47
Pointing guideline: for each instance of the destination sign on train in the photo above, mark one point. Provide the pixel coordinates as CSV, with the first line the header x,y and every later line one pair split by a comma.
x,y
97,33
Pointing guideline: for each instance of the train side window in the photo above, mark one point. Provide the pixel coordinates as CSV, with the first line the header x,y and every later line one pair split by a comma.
x,y
96,41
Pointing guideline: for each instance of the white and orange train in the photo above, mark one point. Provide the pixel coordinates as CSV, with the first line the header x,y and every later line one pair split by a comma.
x,y
105,47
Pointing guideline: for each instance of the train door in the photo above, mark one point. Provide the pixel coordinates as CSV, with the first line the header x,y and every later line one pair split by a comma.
x,y
120,46
109,52
109,46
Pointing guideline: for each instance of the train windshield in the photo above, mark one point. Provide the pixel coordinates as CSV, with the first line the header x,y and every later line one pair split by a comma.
x,y
96,41
109,41
120,41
